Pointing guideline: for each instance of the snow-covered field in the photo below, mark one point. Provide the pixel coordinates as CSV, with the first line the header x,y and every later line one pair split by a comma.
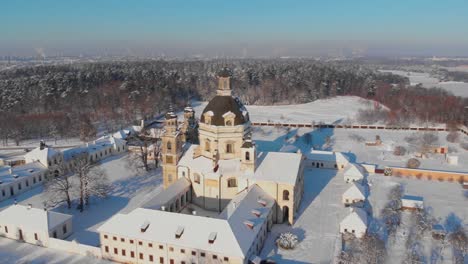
x,y
352,143
333,110
457,88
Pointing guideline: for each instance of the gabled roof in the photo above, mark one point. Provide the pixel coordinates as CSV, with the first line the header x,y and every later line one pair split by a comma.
x,y
354,171
357,217
331,156
42,155
355,191
32,218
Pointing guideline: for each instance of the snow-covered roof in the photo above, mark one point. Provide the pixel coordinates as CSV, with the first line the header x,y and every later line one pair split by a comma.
x,y
248,209
354,171
233,236
289,148
199,164
163,225
356,191
278,167
357,218
42,155
19,172
331,156
122,134
32,218
168,194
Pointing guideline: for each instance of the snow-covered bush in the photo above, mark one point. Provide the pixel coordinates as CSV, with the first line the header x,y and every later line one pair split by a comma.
x,y
413,163
399,151
287,240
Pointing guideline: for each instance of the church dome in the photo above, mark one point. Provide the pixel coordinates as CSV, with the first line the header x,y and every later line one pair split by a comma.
x,y
222,105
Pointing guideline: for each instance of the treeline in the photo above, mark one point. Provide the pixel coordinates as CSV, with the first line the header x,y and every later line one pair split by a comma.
x,y
44,100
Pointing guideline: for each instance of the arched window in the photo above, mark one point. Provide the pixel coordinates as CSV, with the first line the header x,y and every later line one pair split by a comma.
x,y
169,145
229,123
229,148
169,178
232,182
196,178
207,145
286,195
247,155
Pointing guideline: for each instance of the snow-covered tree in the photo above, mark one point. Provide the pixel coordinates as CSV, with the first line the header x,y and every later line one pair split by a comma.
x,y
287,240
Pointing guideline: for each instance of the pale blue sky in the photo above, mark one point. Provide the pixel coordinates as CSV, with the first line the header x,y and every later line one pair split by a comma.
x,y
235,27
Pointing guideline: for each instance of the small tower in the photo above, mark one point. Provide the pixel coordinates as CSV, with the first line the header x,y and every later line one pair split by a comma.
x,y
248,155
189,125
224,82
171,148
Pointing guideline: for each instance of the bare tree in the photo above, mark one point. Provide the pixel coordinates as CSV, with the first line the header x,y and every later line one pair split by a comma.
x,y
459,241
59,189
373,249
92,180
391,213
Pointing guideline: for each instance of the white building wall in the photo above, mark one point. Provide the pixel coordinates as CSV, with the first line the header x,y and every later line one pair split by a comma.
x,y
21,185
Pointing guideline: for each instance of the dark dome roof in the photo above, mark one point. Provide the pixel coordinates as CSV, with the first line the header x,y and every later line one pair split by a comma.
x,y
220,105
224,72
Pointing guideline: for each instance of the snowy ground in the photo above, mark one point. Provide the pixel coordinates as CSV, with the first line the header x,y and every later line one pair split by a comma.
x,y
445,201
15,252
457,88
319,215
333,110
130,189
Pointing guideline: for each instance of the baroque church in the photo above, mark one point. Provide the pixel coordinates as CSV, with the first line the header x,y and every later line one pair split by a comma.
x,y
221,196
226,161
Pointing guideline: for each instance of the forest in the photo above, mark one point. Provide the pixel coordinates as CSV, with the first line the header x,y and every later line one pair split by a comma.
x,y
69,100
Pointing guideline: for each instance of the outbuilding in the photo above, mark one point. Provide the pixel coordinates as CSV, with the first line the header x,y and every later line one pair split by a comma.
x,y
355,195
33,225
353,173
355,223
411,202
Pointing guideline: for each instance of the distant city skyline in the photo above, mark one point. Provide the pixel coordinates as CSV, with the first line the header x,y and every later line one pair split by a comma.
x,y
234,28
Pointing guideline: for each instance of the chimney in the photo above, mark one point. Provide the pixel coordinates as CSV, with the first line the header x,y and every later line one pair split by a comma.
x,y
163,208
194,212
29,206
142,123
10,170
15,202
234,205
144,226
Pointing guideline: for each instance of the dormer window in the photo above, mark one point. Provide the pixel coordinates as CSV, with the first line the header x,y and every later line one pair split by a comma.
x,y
208,116
229,118
232,182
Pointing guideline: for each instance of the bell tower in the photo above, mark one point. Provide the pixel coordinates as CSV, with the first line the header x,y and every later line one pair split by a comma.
x,y
171,148
189,126
248,155
224,82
